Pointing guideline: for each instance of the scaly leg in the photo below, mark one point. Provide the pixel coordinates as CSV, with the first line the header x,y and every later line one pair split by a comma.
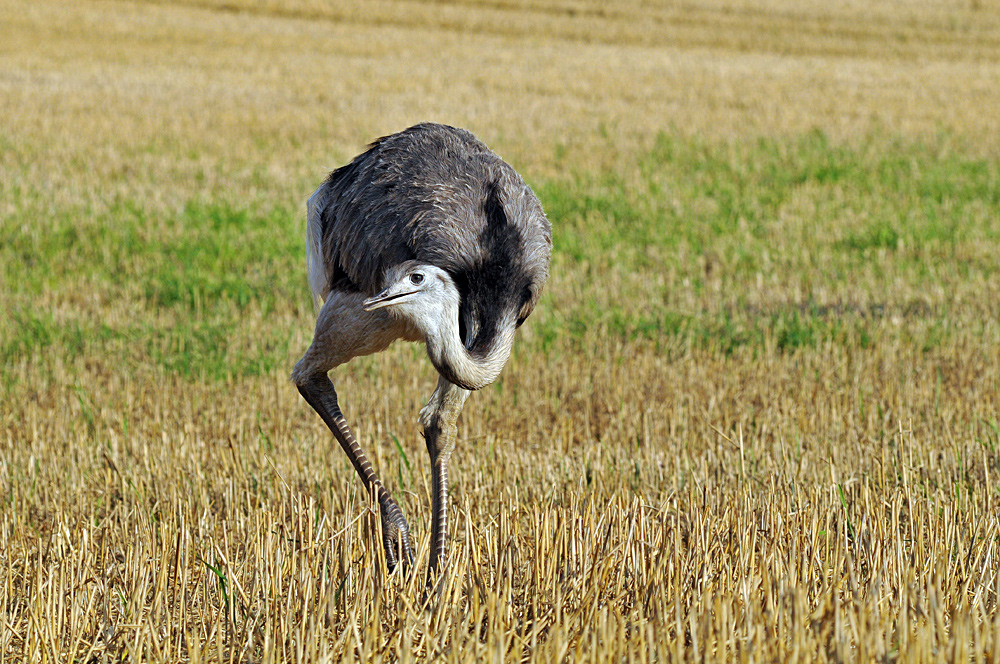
x,y
320,394
344,330
439,419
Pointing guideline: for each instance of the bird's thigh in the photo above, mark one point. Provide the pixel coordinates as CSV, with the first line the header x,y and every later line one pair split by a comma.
x,y
345,330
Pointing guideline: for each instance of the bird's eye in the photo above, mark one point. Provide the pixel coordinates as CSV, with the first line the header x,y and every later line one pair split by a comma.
x,y
416,278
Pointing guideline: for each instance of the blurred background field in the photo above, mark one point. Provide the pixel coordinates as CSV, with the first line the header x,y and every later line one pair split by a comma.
x,y
754,418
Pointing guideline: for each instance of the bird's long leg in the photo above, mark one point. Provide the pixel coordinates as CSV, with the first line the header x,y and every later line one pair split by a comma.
x,y
318,391
344,330
439,419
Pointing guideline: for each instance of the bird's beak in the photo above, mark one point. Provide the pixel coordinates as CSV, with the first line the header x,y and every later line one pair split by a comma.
x,y
376,302
384,299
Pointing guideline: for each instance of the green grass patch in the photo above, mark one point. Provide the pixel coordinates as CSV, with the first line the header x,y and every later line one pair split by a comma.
x,y
854,227
224,256
769,244
188,279
701,194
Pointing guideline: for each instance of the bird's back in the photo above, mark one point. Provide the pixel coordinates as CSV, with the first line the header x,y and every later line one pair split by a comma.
x,y
438,195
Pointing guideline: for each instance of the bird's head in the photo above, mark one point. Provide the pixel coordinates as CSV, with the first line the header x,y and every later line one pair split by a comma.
x,y
414,289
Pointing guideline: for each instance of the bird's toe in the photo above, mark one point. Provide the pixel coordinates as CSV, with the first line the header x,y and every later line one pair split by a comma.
x,y
396,537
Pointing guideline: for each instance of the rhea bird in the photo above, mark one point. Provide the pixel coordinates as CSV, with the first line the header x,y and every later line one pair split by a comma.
x,y
426,236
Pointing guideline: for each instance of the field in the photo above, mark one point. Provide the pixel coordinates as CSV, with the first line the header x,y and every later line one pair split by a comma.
x,y
755,416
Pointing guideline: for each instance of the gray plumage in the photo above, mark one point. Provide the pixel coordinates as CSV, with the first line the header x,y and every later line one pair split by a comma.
x,y
428,235
436,194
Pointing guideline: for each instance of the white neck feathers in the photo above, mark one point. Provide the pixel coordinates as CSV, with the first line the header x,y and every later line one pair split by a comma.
x,y
453,360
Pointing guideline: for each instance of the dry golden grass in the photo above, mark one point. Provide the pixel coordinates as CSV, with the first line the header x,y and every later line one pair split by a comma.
x,y
317,80
804,470
601,519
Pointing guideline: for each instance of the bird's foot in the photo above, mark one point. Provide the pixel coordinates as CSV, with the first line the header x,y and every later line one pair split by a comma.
x,y
434,584
395,534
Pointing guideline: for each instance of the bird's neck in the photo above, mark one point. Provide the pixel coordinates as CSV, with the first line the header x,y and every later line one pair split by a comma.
x,y
453,360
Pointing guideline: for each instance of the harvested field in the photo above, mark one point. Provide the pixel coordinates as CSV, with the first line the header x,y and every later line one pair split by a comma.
x,y
754,417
